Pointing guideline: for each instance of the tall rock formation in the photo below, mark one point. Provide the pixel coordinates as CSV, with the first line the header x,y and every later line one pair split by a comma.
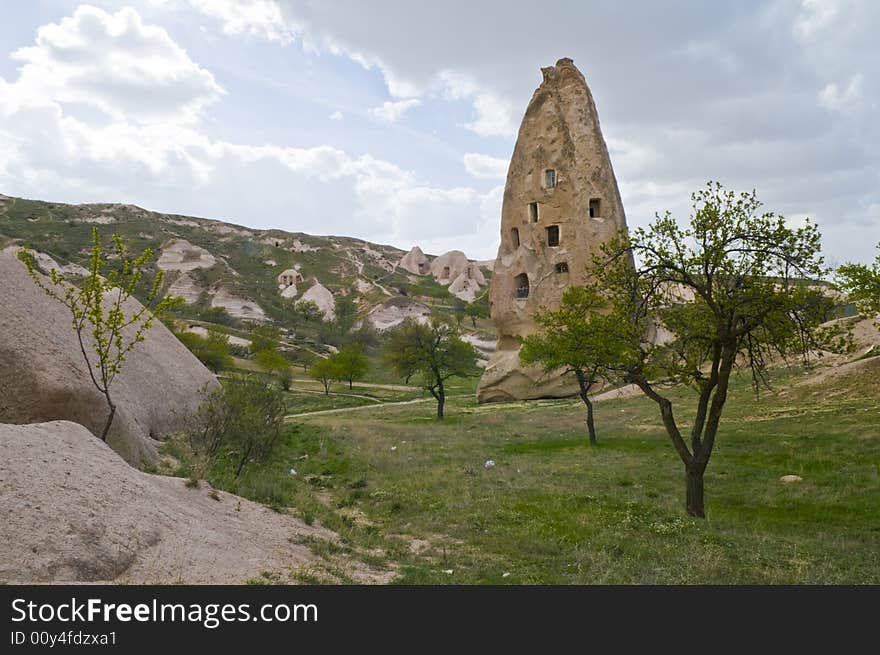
x,y
561,203
415,262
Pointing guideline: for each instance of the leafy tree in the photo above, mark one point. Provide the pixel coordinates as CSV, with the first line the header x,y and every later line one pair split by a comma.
x,y
474,311
366,336
430,354
271,361
264,337
581,338
351,363
862,283
346,314
309,311
241,420
212,351
217,315
732,290
285,378
325,370
107,326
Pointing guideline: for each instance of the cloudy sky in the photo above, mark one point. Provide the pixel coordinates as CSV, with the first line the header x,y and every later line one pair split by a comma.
x,y
394,121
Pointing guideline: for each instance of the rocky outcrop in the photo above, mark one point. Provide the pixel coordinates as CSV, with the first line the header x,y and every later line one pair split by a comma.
x,y
415,262
561,203
468,283
393,312
321,296
181,255
237,306
73,511
449,266
43,376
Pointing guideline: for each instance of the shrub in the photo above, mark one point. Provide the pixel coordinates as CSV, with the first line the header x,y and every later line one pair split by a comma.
x,y
242,420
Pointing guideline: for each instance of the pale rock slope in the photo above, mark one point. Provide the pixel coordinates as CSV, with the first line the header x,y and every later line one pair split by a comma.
x,y
74,511
43,376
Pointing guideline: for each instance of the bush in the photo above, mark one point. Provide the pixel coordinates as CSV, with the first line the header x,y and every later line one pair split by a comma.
x,y
212,351
241,421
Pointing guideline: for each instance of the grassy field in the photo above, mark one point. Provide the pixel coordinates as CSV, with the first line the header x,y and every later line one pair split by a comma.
x,y
411,493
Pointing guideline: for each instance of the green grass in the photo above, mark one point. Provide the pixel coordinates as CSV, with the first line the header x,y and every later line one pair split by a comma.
x,y
410,492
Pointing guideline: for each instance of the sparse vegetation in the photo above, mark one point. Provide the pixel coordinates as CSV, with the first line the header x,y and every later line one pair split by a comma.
x,y
580,338
556,511
430,355
238,423
107,326
862,283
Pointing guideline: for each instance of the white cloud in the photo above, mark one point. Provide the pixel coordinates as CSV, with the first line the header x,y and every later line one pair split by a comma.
x,y
45,152
494,116
485,167
336,116
815,16
115,63
848,98
258,18
391,112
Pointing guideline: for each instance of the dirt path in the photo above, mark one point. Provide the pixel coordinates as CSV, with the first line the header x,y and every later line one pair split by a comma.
x,y
375,385
621,392
337,393
340,410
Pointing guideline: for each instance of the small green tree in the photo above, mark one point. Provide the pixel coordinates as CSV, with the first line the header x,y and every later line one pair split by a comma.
x,y
346,315
731,288
474,312
430,354
107,326
351,363
264,337
324,370
212,350
862,284
308,311
271,361
285,378
580,338
242,420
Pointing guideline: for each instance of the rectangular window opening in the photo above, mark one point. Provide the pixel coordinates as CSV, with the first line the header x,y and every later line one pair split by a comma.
x,y
553,235
550,178
533,212
595,205
514,238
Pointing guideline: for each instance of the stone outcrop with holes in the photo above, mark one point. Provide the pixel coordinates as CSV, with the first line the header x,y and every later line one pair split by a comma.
x,y
561,203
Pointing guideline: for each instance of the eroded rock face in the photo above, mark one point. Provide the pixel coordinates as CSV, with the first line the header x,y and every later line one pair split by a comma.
x,y
43,376
73,511
181,255
415,262
561,203
323,298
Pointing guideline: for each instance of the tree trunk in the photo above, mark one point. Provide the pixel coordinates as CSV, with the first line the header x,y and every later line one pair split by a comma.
x,y
350,384
441,400
695,494
243,460
110,416
591,427
585,385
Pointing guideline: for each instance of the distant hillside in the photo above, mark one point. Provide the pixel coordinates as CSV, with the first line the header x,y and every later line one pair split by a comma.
x,y
215,264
